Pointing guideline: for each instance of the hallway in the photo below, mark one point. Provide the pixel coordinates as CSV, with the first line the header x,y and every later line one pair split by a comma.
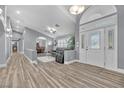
x,y
21,73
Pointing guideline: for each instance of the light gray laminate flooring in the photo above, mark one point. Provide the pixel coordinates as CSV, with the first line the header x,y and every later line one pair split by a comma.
x,y
22,73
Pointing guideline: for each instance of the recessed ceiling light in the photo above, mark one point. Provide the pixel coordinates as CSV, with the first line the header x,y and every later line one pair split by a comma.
x,y
8,29
18,21
18,12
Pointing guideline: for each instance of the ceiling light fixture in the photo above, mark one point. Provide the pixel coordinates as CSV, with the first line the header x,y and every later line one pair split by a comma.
x,y
52,30
18,21
49,28
18,12
76,9
8,29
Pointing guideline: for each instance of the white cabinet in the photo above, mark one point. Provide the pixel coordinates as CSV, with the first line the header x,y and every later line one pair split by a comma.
x,y
31,54
69,56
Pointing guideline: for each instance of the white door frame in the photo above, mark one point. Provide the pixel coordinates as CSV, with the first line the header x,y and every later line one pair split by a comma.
x,y
95,56
115,68
82,52
111,52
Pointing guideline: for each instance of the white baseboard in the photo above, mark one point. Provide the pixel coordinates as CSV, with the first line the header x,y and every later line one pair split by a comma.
x,y
76,60
114,69
121,70
118,70
3,65
72,61
68,62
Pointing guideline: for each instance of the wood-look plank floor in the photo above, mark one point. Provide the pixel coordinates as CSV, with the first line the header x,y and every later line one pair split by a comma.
x,y
22,74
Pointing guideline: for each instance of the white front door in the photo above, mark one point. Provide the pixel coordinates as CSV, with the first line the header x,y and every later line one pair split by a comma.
x,y
92,47
83,47
110,44
95,51
99,47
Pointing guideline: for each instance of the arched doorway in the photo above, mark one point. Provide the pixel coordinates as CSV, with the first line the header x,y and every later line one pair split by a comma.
x,y
98,36
41,44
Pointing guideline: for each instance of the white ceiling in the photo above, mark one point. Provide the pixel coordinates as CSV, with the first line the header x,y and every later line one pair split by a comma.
x,y
39,17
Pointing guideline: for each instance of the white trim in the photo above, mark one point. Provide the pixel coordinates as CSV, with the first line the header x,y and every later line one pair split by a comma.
x,y
117,70
77,60
103,17
120,70
72,61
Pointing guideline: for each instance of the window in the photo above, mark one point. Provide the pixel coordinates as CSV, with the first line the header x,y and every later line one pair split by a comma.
x,y
63,43
110,39
95,40
82,41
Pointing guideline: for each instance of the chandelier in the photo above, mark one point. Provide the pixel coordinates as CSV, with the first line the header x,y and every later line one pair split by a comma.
x,y
52,30
76,9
